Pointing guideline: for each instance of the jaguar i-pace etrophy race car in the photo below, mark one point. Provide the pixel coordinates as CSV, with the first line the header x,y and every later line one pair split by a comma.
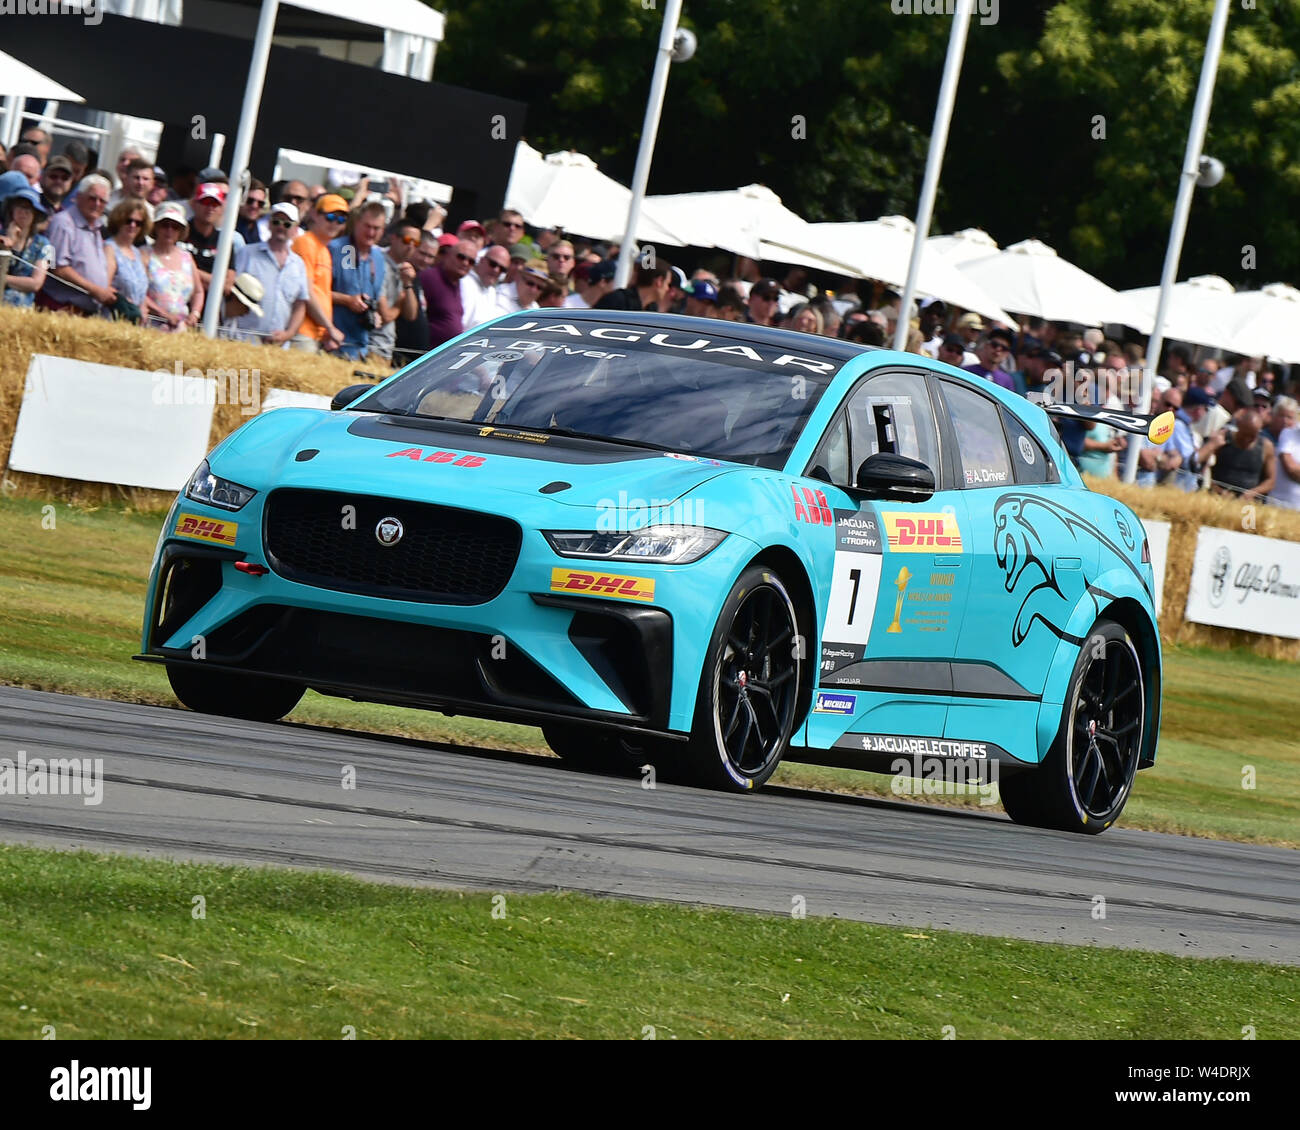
x,y
695,543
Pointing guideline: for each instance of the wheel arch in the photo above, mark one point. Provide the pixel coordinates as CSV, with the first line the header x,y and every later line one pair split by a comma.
x,y
795,576
1130,615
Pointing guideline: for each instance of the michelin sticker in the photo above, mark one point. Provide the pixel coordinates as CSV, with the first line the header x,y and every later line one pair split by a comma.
x,y
836,703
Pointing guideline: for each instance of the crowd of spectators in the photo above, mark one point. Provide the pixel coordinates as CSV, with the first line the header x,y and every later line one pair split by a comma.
x,y
358,274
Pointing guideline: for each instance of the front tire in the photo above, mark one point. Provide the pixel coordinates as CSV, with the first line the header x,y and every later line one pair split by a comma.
x,y
1087,776
749,689
233,695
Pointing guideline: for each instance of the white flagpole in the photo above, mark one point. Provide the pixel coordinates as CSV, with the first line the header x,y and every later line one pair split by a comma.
x,y
239,161
1182,208
934,161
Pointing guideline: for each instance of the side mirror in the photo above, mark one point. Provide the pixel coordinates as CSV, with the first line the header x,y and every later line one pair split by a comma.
x,y
346,396
895,478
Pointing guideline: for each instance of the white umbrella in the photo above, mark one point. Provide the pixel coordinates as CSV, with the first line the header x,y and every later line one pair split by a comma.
x,y
969,243
1197,311
1266,322
20,80
880,249
1030,278
566,190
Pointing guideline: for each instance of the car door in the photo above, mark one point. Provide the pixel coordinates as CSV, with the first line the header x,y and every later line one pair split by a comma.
x,y
1022,564
896,580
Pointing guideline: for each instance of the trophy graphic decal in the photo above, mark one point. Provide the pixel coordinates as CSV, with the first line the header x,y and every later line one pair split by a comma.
x,y
904,575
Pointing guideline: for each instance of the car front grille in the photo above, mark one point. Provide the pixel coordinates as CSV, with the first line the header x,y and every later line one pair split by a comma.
x,y
444,556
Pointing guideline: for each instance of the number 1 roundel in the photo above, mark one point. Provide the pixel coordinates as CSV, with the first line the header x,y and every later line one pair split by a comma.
x,y
855,583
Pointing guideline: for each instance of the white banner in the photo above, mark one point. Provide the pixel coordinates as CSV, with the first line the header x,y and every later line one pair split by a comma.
x,y
106,424
1246,581
1158,540
288,398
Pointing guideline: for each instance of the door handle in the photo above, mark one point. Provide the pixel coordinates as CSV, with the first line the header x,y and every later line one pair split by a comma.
x,y
1069,562
948,562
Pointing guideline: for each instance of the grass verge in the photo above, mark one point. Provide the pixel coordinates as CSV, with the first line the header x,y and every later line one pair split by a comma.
x,y
71,598
285,954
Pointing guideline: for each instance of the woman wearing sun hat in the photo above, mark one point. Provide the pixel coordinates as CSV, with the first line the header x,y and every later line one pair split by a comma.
x,y
32,254
174,299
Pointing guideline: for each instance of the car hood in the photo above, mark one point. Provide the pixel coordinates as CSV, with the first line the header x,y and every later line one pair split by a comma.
x,y
424,460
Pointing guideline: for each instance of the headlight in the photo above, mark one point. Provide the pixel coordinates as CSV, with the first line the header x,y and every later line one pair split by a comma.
x,y
206,487
668,545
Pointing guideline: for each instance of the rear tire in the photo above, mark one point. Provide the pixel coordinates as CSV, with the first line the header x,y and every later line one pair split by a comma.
x,y
232,695
1087,776
749,690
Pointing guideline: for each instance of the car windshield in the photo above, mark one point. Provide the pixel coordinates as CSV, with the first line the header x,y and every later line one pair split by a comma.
x,y
727,397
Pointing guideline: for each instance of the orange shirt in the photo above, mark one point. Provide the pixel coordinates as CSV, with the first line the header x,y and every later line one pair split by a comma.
x,y
320,275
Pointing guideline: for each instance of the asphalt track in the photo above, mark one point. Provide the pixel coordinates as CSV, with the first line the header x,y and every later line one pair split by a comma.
x,y
182,785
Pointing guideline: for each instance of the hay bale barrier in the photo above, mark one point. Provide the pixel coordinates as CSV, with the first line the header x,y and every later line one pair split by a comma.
x,y
25,332
1186,514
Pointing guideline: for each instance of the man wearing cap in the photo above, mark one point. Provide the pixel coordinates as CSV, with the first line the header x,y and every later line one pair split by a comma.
x,y
205,231
952,351
441,284
282,292
970,326
475,232
243,301
479,291
56,184
993,350
592,282
325,221
79,278
762,304
702,299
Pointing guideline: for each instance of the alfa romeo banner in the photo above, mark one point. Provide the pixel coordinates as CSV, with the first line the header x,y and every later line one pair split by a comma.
x,y
1246,581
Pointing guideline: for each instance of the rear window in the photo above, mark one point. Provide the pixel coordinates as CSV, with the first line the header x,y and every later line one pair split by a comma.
x,y
723,397
981,443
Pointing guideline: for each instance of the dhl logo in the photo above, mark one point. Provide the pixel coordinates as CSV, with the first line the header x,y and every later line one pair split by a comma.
x,y
206,529
603,584
812,507
921,533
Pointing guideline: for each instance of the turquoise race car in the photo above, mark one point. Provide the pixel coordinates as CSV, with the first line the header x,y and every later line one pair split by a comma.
x,y
692,543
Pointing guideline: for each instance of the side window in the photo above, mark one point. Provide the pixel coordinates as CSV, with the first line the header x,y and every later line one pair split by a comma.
x,y
830,462
891,412
1028,459
981,444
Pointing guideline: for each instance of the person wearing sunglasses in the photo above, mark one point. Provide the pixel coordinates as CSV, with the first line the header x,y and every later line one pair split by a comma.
x,y
277,314
441,284
79,280
993,350
508,231
560,261
480,288
56,183
251,210
400,296
129,226
325,221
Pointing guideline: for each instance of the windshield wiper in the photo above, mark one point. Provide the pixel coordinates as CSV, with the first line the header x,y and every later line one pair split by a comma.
x,y
560,430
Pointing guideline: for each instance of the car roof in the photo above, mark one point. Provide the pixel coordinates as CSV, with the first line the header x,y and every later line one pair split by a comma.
x,y
790,341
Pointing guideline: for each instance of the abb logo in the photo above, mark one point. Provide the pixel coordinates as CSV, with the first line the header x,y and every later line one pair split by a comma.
x,y
206,529
416,454
603,584
812,507
916,533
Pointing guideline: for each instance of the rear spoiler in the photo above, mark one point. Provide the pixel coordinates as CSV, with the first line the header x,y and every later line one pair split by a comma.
x,y
1156,428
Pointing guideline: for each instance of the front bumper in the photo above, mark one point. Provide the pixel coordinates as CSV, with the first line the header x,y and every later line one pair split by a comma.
x,y
527,655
